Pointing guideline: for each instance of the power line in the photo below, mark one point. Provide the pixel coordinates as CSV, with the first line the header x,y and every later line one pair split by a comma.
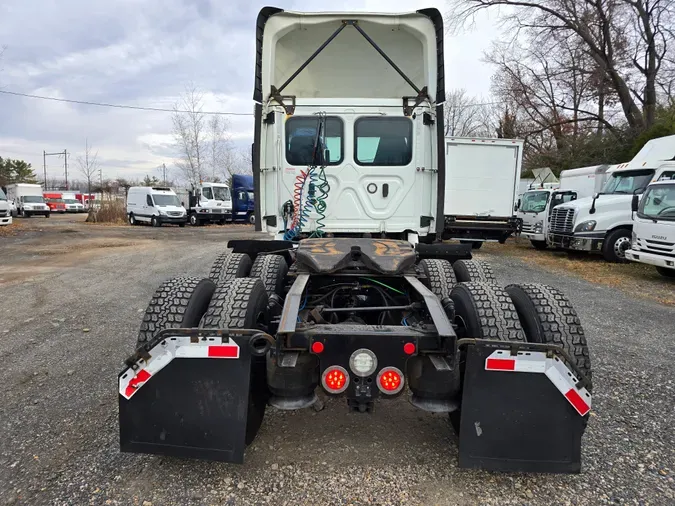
x,y
121,106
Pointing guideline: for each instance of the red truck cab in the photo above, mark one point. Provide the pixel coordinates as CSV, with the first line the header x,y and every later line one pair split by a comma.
x,y
55,202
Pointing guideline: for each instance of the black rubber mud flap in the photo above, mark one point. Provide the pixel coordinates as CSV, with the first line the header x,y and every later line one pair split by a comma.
x,y
516,421
193,407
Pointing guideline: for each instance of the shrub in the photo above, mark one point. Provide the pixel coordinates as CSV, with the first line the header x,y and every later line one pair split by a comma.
x,y
110,211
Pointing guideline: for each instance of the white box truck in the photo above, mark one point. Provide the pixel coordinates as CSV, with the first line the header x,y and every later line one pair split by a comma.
x,y
535,206
653,238
28,199
73,205
481,184
5,210
603,223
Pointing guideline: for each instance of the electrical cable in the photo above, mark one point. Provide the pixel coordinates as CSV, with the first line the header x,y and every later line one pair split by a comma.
x,y
384,285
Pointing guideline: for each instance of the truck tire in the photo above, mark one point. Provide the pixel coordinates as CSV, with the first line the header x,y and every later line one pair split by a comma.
x,y
473,270
194,221
132,219
154,221
547,317
615,245
271,270
540,245
228,266
177,303
440,275
485,311
243,304
666,273
251,219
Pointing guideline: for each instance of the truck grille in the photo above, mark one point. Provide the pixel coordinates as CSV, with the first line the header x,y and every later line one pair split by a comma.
x,y
175,213
4,214
528,227
562,220
657,247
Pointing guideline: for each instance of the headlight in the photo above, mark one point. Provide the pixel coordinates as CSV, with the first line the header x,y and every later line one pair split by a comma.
x,y
538,227
586,226
633,239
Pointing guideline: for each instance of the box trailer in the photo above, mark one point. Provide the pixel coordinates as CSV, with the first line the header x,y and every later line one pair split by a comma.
x,y
482,179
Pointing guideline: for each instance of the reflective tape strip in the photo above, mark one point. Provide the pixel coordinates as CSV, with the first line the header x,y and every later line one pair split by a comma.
x,y
555,370
163,353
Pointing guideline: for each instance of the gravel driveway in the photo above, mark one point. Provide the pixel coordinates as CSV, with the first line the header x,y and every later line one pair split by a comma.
x,y
66,325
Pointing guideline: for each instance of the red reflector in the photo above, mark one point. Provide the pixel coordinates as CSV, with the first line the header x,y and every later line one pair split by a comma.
x,y
317,347
223,351
136,381
390,381
576,401
335,379
500,364
409,348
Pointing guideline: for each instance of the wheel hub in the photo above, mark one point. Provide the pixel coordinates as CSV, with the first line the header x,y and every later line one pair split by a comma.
x,y
621,245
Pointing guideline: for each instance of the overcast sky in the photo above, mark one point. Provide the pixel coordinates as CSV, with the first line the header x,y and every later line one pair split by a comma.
x,y
143,52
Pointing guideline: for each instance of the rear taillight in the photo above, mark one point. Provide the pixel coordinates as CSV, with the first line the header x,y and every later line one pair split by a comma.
x,y
390,380
335,379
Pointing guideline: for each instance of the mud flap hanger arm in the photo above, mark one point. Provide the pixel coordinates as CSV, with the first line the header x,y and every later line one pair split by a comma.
x,y
276,93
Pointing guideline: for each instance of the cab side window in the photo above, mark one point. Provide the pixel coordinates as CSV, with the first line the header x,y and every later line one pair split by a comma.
x,y
148,200
208,194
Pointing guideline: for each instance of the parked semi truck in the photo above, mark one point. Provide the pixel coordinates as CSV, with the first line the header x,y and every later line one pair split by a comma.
x,y
603,223
345,296
481,183
28,199
536,205
207,202
653,237
243,198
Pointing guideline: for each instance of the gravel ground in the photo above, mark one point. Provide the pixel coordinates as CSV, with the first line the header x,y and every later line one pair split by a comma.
x,y
69,319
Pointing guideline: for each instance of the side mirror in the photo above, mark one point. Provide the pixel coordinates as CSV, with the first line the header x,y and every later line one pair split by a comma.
x,y
182,204
326,157
517,206
634,203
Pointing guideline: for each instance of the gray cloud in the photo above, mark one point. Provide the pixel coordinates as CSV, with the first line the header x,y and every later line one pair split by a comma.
x,y
137,53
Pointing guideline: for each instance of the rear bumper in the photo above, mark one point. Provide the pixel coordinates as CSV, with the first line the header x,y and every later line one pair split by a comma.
x,y
650,258
576,242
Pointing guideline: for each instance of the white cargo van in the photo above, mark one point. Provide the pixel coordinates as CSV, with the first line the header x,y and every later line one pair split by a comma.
x,y
5,210
28,199
653,239
603,222
481,184
156,206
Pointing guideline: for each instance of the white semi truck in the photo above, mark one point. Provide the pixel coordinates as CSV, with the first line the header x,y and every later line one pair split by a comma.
x,y
535,205
207,203
481,183
344,295
603,222
653,238
28,199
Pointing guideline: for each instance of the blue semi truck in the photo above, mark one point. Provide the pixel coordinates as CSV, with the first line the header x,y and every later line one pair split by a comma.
x,y
243,201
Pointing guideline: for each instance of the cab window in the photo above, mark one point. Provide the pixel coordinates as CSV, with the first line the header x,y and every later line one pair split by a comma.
x,y
148,200
383,141
208,194
301,134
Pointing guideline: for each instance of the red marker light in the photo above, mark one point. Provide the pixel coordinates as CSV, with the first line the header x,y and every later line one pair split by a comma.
x,y
409,348
317,347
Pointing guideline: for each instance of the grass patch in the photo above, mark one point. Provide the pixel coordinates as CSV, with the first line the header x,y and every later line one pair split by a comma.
x,y
634,278
112,212
10,230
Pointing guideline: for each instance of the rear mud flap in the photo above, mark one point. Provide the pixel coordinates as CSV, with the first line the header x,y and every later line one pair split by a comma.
x,y
206,407
517,421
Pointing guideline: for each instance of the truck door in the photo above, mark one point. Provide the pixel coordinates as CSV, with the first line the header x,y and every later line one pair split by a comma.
x,y
372,172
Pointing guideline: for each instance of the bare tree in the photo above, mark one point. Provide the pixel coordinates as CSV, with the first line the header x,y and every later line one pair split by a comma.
x,y
464,116
88,165
626,39
203,143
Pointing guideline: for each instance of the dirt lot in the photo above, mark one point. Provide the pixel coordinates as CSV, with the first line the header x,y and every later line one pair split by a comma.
x,y
73,297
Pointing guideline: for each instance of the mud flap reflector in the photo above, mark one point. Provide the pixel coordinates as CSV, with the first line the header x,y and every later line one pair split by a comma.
x,y
522,412
189,399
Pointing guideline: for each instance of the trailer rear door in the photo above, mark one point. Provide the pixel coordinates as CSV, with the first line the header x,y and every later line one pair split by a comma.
x,y
481,176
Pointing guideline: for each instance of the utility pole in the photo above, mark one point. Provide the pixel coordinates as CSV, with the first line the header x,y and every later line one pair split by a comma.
x,y
164,173
63,153
65,165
